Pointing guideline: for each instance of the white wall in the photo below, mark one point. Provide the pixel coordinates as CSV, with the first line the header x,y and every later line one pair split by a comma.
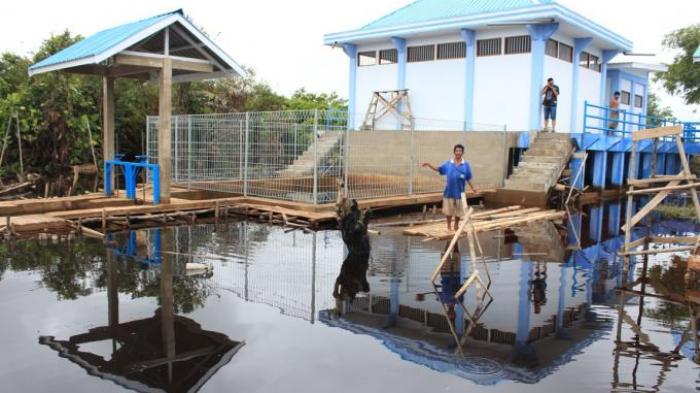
x,y
502,90
374,78
588,90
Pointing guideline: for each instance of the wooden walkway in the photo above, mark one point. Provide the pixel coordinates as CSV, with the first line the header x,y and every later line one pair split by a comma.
x,y
81,213
507,217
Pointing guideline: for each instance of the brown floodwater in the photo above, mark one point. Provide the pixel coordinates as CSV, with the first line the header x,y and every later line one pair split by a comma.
x,y
247,307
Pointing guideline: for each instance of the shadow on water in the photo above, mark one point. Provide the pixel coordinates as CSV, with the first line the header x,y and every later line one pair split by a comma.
x,y
553,288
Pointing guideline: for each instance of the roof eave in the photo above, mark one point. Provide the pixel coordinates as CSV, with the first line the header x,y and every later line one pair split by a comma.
x,y
540,11
640,66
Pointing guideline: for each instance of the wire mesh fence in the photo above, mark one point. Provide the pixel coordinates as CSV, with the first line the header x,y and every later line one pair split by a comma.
x,y
299,155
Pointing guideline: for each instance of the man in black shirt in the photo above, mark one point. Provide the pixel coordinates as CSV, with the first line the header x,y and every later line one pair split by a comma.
x,y
550,91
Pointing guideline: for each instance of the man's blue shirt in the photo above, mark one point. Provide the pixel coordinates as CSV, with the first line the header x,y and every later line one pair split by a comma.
x,y
457,175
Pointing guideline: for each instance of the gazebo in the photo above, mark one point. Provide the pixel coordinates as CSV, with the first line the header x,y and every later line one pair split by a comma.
x,y
166,49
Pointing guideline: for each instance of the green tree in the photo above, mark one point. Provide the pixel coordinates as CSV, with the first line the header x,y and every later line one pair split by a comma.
x,y
683,76
656,111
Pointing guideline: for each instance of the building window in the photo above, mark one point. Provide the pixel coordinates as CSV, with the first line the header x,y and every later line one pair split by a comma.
x,y
583,60
566,52
452,50
638,101
551,48
594,63
489,47
388,56
625,97
366,58
421,53
519,44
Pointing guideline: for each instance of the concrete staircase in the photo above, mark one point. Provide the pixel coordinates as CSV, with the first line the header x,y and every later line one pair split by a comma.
x,y
304,164
542,164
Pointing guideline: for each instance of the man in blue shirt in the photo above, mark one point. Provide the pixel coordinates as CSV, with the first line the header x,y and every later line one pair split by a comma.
x,y
457,173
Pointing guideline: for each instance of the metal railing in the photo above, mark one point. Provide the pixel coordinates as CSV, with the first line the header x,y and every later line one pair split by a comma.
x,y
621,122
297,155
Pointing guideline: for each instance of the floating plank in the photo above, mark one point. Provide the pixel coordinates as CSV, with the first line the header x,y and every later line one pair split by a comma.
x,y
656,132
667,188
658,251
659,179
675,239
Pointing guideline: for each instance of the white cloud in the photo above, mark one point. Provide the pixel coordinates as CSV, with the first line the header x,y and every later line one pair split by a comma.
x,y
282,40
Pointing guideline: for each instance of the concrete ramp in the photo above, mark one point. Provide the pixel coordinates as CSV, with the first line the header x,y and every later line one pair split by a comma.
x,y
538,171
304,164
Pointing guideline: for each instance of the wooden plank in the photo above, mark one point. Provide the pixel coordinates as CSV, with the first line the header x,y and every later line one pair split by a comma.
x,y
164,130
666,188
675,239
656,133
660,179
651,205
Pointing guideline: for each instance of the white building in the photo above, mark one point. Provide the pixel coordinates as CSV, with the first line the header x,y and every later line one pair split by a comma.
x,y
477,64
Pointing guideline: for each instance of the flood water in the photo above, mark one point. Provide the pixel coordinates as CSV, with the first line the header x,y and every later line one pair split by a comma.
x,y
83,317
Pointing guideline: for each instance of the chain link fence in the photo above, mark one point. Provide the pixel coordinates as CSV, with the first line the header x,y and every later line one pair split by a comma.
x,y
301,155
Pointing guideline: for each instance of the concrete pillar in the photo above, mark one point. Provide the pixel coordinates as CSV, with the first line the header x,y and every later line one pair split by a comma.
x,y
400,45
164,132
108,123
618,168
351,51
469,37
539,35
523,328
600,163
580,45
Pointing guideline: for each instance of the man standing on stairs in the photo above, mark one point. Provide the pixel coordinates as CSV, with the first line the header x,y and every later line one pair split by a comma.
x,y
550,91
457,173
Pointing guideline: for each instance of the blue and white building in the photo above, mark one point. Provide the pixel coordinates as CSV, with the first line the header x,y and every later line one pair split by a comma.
x,y
477,63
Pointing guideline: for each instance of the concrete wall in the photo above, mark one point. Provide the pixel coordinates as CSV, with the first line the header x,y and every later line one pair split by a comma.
x,y
393,154
588,90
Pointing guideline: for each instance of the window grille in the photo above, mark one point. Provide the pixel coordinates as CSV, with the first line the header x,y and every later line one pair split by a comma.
x,y
638,101
489,47
594,63
552,48
519,44
421,53
366,58
583,60
388,56
625,97
566,52
452,50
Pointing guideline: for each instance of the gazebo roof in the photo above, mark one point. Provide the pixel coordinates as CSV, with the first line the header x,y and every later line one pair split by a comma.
x,y
120,51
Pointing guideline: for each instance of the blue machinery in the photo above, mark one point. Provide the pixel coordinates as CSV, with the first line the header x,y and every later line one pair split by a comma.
x,y
609,148
130,170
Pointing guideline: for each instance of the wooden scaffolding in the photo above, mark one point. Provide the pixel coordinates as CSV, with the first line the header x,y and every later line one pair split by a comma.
x,y
389,102
657,188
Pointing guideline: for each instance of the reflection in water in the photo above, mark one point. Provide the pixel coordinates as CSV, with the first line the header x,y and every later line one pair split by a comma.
x,y
166,352
352,278
554,303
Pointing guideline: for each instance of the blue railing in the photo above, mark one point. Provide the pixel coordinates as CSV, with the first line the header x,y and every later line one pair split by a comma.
x,y
131,171
621,122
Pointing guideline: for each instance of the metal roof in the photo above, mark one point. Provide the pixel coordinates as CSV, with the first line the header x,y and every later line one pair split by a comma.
x,y
97,48
696,55
424,10
445,16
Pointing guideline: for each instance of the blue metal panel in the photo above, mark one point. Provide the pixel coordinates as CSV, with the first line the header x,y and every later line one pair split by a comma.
x,y
600,163
523,140
101,41
595,229
575,167
614,219
605,143
618,168
661,164
424,10
646,164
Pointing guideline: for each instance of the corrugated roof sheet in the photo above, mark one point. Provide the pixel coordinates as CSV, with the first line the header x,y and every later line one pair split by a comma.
x,y
696,55
101,41
425,10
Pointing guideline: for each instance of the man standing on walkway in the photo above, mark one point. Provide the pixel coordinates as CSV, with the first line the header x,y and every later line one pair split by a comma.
x,y
614,112
458,174
550,91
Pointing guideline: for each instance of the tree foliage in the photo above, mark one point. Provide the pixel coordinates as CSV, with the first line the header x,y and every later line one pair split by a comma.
x,y
55,108
656,111
683,76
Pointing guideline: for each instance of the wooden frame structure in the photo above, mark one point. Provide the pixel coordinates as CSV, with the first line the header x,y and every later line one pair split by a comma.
x,y
388,102
684,180
482,286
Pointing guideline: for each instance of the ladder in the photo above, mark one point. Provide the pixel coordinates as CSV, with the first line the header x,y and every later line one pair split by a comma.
x,y
389,102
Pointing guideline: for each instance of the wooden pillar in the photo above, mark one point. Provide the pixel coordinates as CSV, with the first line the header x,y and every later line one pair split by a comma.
x,y
164,114
108,121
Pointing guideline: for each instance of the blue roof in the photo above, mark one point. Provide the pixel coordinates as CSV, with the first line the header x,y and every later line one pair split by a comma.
x,y
425,10
101,41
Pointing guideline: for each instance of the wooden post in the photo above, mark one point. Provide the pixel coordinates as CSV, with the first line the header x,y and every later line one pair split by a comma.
x,y
108,122
164,114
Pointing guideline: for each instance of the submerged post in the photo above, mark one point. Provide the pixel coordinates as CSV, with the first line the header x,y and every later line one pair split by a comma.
x,y
107,125
245,155
315,185
164,129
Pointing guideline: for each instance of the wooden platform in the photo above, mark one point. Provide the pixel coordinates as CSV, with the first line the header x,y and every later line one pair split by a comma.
x,y
72,214
508,217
